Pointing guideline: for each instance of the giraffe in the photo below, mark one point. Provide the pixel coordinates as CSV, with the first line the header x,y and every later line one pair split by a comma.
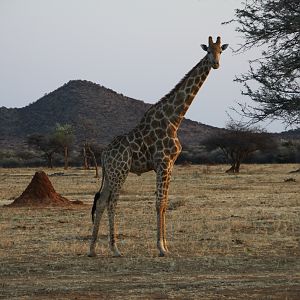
x,y
152,145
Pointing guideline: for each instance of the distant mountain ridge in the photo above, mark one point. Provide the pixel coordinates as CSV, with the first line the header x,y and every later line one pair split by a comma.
x,y
111,113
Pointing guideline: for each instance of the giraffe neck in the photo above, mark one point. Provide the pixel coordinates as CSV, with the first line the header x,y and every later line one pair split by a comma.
x,y
175,104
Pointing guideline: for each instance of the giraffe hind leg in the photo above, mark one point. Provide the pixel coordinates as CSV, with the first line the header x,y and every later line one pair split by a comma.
x,y
100,205
111,218
120,177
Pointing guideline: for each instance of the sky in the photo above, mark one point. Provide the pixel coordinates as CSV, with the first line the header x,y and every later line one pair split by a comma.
x,y
138,48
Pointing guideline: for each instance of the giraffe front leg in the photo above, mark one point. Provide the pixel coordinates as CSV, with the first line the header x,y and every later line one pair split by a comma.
x,y
111,218
161,242
165,230
163,180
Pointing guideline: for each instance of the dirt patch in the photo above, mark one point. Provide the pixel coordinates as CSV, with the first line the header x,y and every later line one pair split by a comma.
x,y
40,192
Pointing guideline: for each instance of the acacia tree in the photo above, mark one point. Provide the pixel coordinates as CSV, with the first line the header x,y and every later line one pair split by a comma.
x,y
275,26
64,136
46,144
238,142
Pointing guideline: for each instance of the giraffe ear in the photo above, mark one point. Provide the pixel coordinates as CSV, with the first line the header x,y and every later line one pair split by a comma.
x,y
224,47
204,47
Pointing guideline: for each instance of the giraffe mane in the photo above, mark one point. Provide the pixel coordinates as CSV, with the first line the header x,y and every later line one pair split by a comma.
x,y
171,93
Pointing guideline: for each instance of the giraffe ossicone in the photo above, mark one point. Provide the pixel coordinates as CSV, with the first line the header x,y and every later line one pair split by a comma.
x,y
152,145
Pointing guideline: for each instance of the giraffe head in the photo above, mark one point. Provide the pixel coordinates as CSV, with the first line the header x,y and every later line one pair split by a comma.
x,y
214,51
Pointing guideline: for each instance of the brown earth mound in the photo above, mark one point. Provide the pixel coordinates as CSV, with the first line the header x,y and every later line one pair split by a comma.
x,y
40,192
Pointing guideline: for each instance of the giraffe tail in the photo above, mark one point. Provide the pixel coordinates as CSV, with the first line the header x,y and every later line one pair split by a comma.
x,y
97,196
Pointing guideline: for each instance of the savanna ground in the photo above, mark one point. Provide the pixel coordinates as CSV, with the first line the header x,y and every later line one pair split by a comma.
x,y
230,237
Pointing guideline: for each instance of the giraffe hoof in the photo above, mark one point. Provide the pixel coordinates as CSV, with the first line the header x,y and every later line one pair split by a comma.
x,y
117,255
166,252
92,254
115,252
163,254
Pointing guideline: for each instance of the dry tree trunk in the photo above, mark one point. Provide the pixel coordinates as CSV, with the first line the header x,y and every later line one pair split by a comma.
x,y
66,158
94,161
85,159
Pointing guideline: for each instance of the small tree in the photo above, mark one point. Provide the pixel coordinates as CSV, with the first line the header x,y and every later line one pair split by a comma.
x,y
238,142
46,144
89,147
88,154
64,136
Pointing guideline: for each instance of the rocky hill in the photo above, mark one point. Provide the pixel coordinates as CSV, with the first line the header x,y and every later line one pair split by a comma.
x,y
78,101
290,134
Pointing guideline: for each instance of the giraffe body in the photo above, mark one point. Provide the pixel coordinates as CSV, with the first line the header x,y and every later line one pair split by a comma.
x,y
152,145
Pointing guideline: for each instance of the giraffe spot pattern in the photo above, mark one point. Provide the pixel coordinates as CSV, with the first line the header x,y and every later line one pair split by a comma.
x,y
153,144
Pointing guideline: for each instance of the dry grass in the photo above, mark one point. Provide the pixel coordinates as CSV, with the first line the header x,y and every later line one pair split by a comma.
x,y
231,237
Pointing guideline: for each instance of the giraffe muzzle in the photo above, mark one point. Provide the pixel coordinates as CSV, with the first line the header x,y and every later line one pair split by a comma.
x,y
216,66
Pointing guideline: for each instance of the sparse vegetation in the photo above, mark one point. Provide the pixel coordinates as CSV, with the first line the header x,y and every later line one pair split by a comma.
x,y
238,143
230,237
98,114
